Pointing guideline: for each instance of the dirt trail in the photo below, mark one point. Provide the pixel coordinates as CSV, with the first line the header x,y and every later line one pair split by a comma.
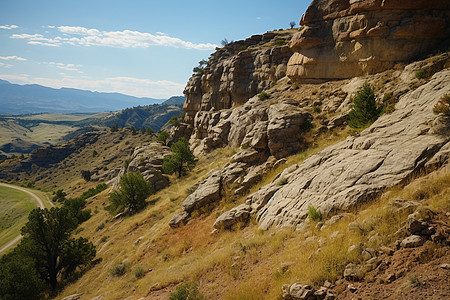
x,y
39,202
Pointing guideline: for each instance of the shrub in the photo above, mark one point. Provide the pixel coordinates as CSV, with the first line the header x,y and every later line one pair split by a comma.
x,y
364,110
443,106
421,73
280,42
94,153
314,214
263,96
100,227
292,24
119,269
114,128
316,109
186,291
60,196
134,189
163,136
139,272
283,181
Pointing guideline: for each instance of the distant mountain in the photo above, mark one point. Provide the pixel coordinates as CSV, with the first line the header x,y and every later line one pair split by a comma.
x,y
175,100
33,98
154,116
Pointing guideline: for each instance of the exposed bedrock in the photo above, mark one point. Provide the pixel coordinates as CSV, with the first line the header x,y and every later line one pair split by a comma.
x,y
395,147
349,38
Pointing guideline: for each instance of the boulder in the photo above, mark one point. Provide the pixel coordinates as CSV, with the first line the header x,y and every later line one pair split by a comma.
x,y
300,291
207,192
413,241
239,214
179,219
353,272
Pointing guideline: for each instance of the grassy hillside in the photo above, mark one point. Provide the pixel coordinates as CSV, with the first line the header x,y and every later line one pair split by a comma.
x,y
14,206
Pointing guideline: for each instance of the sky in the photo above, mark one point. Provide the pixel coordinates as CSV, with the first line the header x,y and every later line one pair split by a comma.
x,y
135,47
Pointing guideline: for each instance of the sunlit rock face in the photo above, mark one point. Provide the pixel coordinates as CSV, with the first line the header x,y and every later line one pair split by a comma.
x,y
348,38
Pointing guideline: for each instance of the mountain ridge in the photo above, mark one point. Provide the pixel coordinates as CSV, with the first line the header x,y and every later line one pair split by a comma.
x,y
34,98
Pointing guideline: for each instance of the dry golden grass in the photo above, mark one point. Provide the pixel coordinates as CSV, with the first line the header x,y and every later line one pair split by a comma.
x,y
241,264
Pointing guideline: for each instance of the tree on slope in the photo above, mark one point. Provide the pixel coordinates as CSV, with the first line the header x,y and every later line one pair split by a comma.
x,y
48,242
364,110
181,159
134,189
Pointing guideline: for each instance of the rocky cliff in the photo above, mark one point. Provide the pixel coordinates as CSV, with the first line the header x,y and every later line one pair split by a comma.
x,y
237,72
348,38
338,39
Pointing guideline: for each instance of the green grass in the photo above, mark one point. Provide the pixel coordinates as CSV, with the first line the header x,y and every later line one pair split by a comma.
x,y
14,207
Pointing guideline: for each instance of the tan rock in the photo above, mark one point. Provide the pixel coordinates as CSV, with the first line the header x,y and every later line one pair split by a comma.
x,y
348,38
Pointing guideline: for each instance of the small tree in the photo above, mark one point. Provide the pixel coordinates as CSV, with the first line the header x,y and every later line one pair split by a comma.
x,y
364,110
200,68
292,24
134,189
114,128
163,136
225,42
60,196
181,159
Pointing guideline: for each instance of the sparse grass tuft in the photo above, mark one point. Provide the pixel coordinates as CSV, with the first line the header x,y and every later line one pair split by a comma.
x,y
314,214
119,269
186,291
263,96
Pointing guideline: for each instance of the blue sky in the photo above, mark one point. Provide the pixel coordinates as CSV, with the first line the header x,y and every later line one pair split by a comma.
x,y
136,47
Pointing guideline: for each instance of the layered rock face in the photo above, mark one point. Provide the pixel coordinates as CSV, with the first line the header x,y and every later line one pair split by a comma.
x,y
273,128
349,38
237,72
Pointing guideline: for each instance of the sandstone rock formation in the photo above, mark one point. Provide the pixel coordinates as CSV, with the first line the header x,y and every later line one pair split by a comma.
x,y
237,72
348,38
261,125
342,176
146,159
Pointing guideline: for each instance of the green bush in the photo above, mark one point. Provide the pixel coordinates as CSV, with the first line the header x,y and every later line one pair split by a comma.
x,y
316,109
134,189
181,160
283,181
314,214
364,110
263,96
186,291
280,42
421,73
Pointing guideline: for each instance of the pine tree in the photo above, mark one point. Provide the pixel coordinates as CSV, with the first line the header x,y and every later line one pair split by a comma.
x,y
364,110
180,160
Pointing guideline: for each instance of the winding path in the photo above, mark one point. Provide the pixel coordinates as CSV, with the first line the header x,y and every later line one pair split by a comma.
x,y
40,204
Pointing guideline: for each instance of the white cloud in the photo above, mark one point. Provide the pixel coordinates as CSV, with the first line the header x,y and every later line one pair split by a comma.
x,y
138,87
5,65
37,39
67,67
81,36
9,27
13,58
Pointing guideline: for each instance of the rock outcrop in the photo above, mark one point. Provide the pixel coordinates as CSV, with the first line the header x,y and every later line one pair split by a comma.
x,y
258,124
351,172
148,160
349,38
237,72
